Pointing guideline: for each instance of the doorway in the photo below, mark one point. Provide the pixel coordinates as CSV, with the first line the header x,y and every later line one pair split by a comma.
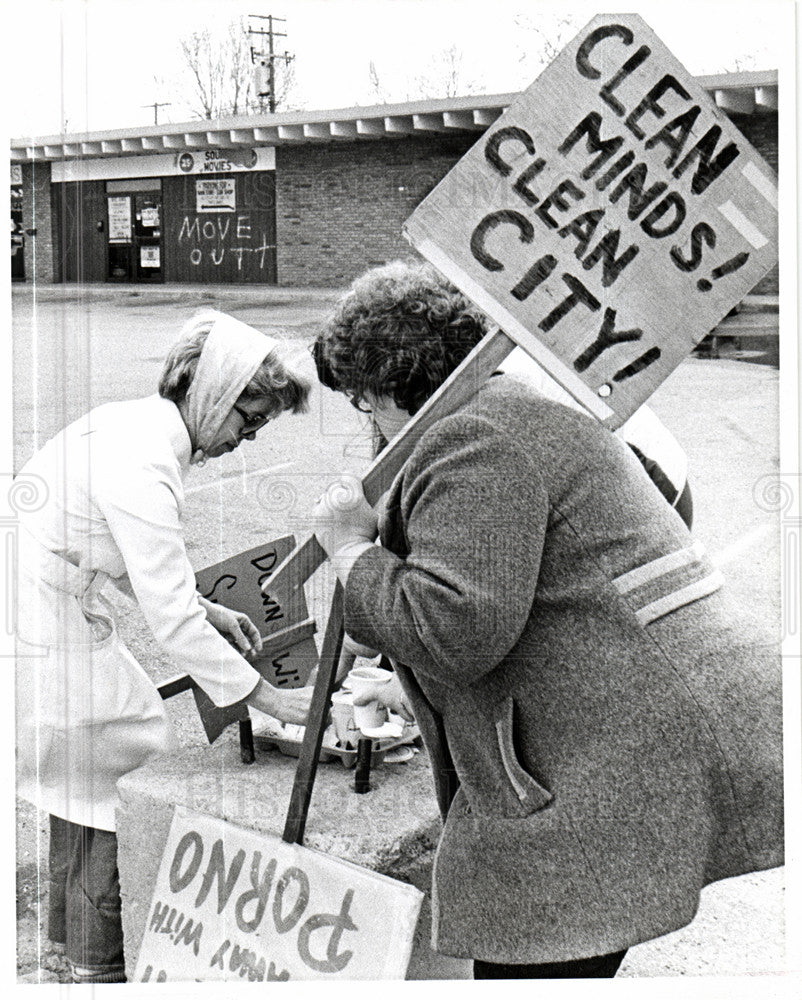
x,y
134,227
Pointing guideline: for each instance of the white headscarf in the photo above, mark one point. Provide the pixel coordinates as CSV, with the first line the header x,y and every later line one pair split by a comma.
x,y
232,353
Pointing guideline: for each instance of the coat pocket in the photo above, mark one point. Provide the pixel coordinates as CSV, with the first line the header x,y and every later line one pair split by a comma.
x,y
531,793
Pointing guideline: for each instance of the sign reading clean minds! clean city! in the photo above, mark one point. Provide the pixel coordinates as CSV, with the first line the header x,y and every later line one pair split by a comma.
x,y
232,904
608,220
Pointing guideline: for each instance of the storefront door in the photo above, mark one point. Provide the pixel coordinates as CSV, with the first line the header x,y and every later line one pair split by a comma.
x,y
134,211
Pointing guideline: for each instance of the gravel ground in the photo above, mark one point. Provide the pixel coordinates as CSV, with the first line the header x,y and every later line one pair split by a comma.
x,y
77,347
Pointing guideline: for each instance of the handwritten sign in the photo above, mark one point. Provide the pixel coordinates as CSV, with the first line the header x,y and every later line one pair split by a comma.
x,y
236,583
608,220
119,218
231,904
218,195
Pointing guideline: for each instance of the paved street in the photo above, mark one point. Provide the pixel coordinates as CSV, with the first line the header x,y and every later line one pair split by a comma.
x,y
75,348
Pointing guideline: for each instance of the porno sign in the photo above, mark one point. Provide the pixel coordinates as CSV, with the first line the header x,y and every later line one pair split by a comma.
x,y
235,905
608,220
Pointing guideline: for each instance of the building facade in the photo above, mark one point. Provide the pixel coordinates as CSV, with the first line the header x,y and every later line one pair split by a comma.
x,y
310,198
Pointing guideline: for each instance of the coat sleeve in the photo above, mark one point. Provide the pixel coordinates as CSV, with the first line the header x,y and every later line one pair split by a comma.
x,y
474,511
143,517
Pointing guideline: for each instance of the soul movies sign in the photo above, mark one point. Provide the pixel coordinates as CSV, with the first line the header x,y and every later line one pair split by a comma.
x,y
608,220
231,904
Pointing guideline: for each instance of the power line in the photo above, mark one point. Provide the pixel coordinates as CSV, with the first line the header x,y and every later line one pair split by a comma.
x,y
266,89
156,105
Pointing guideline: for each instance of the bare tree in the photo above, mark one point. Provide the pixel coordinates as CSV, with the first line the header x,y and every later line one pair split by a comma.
x,y
544,40
218,73
446,78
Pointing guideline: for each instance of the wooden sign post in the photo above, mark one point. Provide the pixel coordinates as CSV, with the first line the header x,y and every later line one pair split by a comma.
x,y
234,905
608,220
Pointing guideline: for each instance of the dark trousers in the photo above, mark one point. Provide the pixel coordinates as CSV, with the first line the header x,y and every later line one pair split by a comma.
x,y
598,967
85,909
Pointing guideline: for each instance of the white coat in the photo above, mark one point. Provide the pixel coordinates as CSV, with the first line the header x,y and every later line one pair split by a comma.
x,y
86,711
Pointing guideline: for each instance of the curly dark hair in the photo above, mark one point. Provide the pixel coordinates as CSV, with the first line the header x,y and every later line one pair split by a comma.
x,y
400,331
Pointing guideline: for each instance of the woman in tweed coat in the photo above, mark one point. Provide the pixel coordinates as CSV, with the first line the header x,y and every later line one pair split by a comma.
x,y
604,729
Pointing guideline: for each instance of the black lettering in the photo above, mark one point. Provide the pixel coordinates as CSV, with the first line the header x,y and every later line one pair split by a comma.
x,y
675,134
258,894
222,579
272,608
487,224
583,63
606,92
265,566
700,234
634,182
190,934
671,200
217,958
710,167
244,961
649,103
582,229
160,911
276,977
521,186
605,251
615,170
168,927
216,871
536,274
638,365
590,128
335,961
578,294
608,336
284,924
511,132
556,198
192,839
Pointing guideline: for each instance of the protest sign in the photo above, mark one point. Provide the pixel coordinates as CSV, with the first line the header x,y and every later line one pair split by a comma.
x,y
608,220
232,904
236,583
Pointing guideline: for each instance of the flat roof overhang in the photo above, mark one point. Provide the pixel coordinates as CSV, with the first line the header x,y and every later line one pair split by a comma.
x,y
735,93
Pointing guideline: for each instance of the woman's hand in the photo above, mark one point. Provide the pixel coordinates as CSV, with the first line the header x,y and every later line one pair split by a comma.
x,y
342,516
235,625
390,695
286,704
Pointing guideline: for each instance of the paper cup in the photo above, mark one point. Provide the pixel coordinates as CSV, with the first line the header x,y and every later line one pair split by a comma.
x,y
367,681
342,717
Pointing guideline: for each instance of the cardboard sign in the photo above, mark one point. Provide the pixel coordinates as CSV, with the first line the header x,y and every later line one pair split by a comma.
x,y
234,905
219,195
608,220
236,583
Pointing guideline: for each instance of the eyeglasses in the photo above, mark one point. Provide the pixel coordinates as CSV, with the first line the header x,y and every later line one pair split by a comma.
x,y
250,423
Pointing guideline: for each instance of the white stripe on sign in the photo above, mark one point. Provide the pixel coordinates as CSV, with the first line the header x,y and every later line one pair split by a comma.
x,y
739,221
761,183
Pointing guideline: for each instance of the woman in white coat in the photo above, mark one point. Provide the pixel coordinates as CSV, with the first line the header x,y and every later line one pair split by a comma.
x,y
111,488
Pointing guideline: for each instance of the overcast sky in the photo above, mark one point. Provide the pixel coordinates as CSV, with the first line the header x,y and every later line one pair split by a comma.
x,y
92,63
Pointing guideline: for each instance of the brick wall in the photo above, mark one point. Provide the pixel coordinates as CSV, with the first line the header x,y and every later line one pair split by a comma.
x,y
340,207
36,213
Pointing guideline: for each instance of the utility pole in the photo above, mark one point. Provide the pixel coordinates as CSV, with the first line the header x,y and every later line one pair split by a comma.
x,y
156,105
268,58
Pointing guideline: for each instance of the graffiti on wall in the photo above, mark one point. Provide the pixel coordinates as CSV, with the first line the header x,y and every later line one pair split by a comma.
x,y
224,239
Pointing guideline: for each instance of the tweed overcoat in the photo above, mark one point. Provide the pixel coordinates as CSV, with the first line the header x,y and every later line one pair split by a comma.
x,y
604,727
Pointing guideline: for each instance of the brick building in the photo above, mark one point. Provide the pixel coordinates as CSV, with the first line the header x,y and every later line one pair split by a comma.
x,y
302,198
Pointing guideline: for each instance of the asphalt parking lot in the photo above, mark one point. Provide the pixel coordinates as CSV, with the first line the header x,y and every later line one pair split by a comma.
x,y
75,348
